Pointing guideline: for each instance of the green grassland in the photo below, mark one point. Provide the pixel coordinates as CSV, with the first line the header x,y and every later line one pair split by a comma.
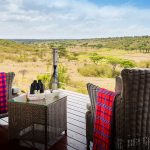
x,y
80,61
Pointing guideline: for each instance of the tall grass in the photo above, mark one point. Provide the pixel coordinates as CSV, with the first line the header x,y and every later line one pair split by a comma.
x,y
92,70
144,64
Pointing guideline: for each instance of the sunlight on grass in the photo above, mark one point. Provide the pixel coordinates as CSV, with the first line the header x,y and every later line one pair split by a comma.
x,y
29,60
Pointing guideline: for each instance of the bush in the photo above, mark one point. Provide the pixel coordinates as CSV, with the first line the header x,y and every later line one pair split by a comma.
x,y
144,64
95,58
97,71
34,59
115,61
99,46
45,79
127,64
63,78
18,58
62,51
72,57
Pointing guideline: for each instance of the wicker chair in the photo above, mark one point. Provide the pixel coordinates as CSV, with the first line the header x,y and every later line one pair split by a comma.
x,y
9,80
132,110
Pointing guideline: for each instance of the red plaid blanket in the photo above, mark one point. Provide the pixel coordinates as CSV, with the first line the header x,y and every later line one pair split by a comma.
x,y
3,100
103,120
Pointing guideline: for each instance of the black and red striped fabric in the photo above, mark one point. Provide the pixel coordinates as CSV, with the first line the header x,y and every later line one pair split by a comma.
x,y
3,93
103,120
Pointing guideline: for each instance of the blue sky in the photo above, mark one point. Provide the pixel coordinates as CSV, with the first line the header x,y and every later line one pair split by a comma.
x,y
69,19
136,3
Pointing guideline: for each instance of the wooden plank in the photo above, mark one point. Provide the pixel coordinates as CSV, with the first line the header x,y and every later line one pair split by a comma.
x,y
75,112
76,136
76,123
75,144
3,123
76,129
78,99
57,146
75,117
75,93
80,110
69,148
5,119
77,96
76,102
76,105
68,143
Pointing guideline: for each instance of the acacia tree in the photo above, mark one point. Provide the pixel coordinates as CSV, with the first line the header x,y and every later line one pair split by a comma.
x,y
95,58
114,61
127,64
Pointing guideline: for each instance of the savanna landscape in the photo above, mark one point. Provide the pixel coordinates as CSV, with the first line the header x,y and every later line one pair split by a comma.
x,y
97,61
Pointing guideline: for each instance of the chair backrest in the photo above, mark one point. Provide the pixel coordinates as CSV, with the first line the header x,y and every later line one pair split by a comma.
x,y
93,91
136,102
9,80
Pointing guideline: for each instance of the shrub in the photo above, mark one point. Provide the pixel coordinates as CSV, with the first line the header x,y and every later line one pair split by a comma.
x,y
99,46
115,61
127,64
20,58
95,58
62,51
103,70
45,79
63,78
34,59
144,64
72,57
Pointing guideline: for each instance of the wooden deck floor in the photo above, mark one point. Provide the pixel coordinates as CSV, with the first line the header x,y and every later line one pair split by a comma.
x,y
76,132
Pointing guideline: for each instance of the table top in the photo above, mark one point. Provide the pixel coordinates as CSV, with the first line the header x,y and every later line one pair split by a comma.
x,y
48,99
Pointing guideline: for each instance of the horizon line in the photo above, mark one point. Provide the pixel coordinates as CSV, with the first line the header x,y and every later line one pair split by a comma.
x,y
74,38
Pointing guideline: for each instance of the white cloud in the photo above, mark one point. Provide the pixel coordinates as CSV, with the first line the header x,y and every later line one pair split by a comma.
x,y
70,19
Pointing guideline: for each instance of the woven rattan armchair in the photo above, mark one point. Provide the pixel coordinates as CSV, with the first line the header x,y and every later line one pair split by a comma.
x,y
132,110
9,80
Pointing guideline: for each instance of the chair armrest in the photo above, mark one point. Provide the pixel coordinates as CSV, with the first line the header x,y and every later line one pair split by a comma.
x,y
119,115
